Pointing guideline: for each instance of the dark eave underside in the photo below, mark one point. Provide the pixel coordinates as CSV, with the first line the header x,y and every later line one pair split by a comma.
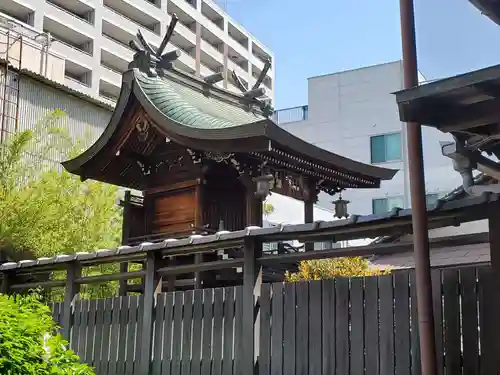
x,y
457,103
490,8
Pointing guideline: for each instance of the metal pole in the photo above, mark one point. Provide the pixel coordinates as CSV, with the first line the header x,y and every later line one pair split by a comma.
x,y
418,202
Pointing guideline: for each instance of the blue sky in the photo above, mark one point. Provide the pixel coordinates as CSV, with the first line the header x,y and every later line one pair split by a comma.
x,y
314,37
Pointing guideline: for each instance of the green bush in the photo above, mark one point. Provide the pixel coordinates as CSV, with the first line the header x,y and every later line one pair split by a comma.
x,y
29,344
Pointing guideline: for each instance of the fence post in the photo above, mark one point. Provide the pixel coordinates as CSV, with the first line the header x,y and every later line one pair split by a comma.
x,y
6,281
494,237
152,286
252,280
74,271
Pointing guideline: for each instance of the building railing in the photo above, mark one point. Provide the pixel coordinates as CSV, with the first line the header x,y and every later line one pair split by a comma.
x,y
151,28
122,44
67,11
294,114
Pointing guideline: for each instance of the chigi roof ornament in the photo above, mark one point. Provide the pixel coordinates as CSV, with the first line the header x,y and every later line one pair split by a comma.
x,y
149,61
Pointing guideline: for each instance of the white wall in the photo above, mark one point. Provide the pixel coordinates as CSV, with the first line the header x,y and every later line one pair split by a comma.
x,y
347,108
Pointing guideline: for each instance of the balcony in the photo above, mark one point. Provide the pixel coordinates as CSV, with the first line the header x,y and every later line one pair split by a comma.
x,y
142,13
115,55
18,11
212,14
294,114
124,29
238,36
108,92
76,8
113,78
78,77
68,21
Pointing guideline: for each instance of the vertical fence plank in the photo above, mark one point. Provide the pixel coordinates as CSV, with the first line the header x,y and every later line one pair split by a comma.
x,y
75,328
187,323
277,329
177,335
106,332
131,334
217,340
470,321
415,340
342,325
197,333
357,326
166,366
228,343
158,334
99,323
238,331
452,321
315,338
123,343
487,319
289,330
90,332
265,331
402,323
328,327
371,325
206,361
437,304
114,340
139,333
302,328
82,336
386,325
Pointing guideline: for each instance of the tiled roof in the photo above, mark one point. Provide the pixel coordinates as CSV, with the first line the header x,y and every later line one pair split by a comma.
x,y
354,225
456,194
446,256
193,108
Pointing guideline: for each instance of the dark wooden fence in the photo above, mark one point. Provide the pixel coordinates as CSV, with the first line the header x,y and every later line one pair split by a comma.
x,y
344,326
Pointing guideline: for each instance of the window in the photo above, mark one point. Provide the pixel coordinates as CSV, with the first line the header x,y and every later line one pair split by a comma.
x,y
385,148
431,200
384,205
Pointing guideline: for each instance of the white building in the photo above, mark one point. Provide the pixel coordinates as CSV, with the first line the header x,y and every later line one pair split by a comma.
x,y
354,114
92,38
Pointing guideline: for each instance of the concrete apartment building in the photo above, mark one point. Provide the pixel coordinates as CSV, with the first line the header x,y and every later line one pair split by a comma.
x,y
354,114
92,37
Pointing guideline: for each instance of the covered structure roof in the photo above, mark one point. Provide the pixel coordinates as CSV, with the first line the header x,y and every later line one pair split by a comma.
x,y
490,8
161,107
464,102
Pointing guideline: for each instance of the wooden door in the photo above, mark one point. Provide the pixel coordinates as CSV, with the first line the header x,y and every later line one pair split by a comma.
x,y
174,212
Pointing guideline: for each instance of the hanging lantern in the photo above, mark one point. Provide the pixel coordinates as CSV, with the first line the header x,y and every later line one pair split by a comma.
x,y
341,208
263,186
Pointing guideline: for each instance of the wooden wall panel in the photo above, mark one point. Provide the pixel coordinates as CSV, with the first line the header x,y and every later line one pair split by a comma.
x,y
174,212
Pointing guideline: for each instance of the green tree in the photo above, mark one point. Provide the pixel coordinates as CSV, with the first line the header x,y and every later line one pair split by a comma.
x,y
45,211
267,208
28,345
330,268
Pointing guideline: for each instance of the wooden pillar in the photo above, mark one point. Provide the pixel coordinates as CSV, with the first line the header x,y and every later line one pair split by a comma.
x,y
125,237
152,286
73,272
252,280
309,196
494,237
253,204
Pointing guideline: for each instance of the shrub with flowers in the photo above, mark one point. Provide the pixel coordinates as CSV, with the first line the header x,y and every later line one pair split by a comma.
x,y
331,268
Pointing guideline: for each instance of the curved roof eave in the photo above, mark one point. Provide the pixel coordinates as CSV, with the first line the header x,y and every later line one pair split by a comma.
x,y
263,129
75,165
490,9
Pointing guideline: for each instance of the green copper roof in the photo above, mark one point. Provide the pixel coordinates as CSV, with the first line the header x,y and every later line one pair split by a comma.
x,y
190,107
